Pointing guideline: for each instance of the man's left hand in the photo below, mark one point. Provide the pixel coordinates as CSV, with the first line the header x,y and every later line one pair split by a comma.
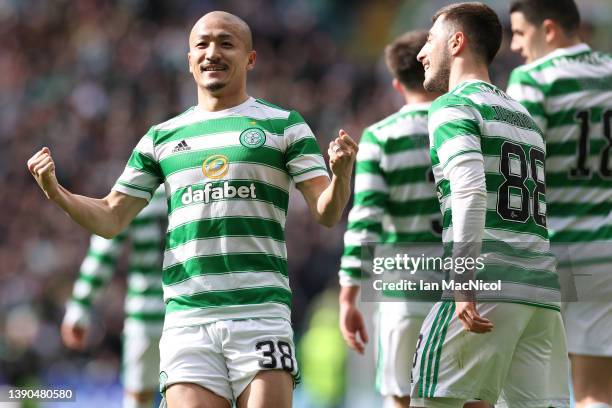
x,y
342,152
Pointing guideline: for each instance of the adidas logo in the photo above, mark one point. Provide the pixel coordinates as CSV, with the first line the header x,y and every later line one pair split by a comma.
x,y
181,147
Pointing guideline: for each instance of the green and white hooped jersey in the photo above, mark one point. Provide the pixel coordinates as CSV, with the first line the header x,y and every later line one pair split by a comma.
x,y
478,121
569,93
395,200
227,176
144,304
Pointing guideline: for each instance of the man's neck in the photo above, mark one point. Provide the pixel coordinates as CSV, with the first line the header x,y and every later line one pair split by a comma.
x,y
463,70
564,42
213,103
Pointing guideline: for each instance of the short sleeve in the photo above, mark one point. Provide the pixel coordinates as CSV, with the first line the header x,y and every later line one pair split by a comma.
x,y
303,158
142,174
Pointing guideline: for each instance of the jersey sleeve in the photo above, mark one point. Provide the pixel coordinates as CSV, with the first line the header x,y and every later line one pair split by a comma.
x,y
142,174
455,129
94,274
369,203
523,88
303,157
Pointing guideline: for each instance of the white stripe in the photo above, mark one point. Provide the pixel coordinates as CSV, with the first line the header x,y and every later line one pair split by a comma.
x,y
413,191
139,178
227,281
144,258
359,213
406,159
144,304
571,70
305,161
350,262
238,208
296,133
360,237
132,191
368,151
403,127
145,146
140,282
252,171
588,223
82,289
582,100
441,116
92,267
370,182
311,174
107,246
513,133
146,232
452,146
525,93
223,245
518,240
591,195
565,163
200,316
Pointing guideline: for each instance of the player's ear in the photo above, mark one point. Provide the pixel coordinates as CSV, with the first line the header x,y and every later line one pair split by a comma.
x,y
457,43
397,85
551,30
251,60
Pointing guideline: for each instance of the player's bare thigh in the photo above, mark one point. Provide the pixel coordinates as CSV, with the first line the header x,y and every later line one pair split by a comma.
x,y
592,379
269,389
188,395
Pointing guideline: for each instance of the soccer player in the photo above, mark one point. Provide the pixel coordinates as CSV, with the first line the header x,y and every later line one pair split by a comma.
x,y
488,156
395,202
227,165
144,306
567,87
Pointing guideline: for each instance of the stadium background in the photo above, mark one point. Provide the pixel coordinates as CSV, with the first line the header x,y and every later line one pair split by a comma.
x,y
88,77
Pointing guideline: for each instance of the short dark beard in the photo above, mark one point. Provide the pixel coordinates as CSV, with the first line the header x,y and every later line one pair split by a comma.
x,y
439,83
215,86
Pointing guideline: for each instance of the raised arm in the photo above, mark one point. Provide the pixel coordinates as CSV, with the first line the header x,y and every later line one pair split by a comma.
x,y
105,217
326,199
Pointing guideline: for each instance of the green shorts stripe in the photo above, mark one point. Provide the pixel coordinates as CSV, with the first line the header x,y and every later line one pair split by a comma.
x,y
421,383
431,353
438,351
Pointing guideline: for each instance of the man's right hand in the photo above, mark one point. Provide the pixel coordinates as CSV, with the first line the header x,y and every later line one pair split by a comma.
x,y
42,167
351,325
74,336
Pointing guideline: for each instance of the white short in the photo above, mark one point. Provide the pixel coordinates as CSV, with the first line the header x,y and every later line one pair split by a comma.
x,y
589,323
226,355
522,360
140,356
397,329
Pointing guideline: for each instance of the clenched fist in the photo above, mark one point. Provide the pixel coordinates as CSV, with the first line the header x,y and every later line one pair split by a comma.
x,y
42,167
342,152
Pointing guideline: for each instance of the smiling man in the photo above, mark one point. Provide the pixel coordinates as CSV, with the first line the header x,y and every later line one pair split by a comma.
x,y
487,153
228,165
567,87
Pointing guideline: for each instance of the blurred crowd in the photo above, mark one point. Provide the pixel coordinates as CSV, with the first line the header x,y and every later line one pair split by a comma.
x,y
88,77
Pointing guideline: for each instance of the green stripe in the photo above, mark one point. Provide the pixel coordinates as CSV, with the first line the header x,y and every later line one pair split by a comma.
x,y
571,148
568,117
143,269
431,353
371,198
439,350
407,142
146,246
352,272
367,225
135,187
265,192
239,226
263,155
156,292
141,220
460,153
421,384
144,163
415,174
303,146
94,281
564,86
308,170
82,301
534,108
249,296
424,206
562,179
423,237
368,167
574,210
222,264
102,257
514,274
604,233
147,317
455,128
